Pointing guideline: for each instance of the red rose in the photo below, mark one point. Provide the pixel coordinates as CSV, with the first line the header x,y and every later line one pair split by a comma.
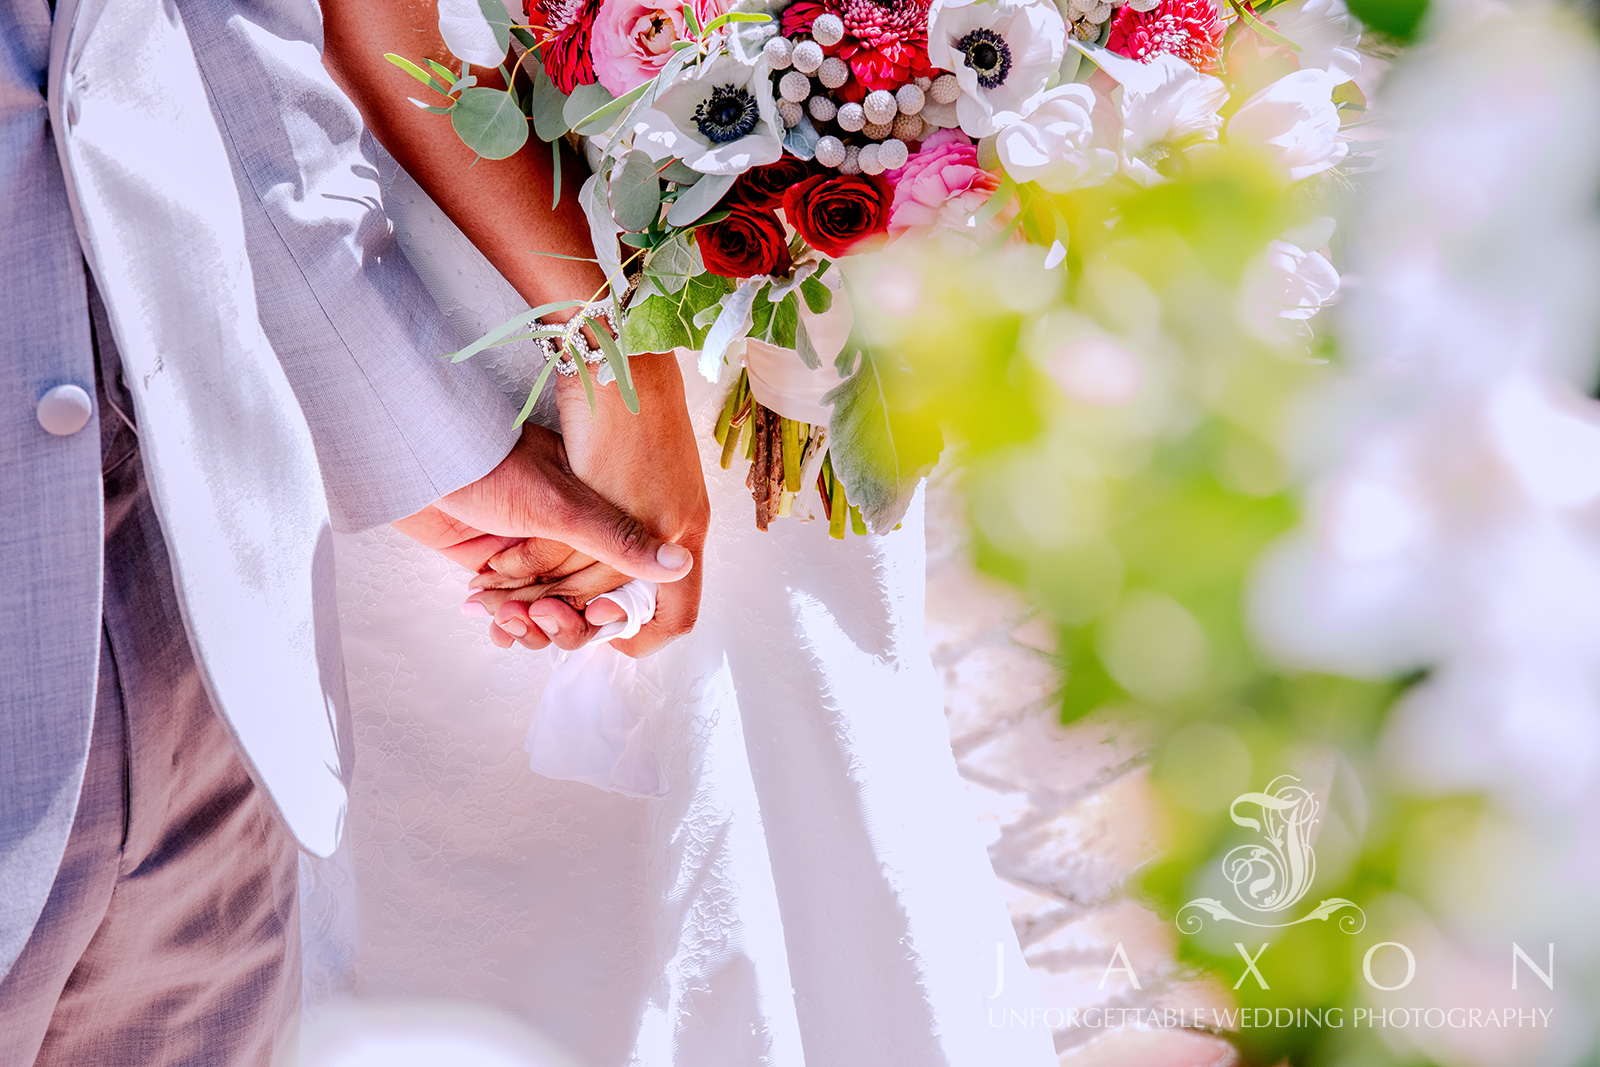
x,y
764,186
835,213
748,242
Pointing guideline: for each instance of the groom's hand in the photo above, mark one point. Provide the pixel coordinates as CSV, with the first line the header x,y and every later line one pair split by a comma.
x,y
534,510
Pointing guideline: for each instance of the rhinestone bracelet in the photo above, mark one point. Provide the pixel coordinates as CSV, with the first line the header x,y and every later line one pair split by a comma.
x,y
571,339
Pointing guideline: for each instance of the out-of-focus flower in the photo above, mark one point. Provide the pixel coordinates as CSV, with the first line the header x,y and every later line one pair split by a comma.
x,y
750,241
1296,121
886,44
1053,144
834,214
941,186
1167,105
1003,54
1188,29
1285,288
632,39
1328,37
565,27
721,120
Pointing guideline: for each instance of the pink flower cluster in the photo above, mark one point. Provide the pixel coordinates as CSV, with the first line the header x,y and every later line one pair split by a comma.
x,y
941,186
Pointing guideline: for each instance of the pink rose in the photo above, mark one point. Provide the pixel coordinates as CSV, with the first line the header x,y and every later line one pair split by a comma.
x,y
941,185
633,38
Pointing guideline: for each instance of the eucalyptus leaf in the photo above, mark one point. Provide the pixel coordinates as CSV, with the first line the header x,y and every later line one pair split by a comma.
x,y
635,193
699,198
679,174
731,324
618,362
879,454
429,107
533,395
470,35
602,232
546,104
515,324
600,119
490,123
418,73
584,101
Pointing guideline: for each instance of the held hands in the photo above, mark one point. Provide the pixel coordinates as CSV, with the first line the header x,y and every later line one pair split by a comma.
x,y
546,530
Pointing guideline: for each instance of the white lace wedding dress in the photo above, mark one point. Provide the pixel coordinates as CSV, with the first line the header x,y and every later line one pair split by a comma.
x,y
811,891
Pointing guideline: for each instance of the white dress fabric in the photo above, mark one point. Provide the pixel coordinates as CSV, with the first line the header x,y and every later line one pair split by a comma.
x,y
811,890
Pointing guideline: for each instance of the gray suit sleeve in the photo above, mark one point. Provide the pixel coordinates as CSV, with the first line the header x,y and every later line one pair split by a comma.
x,y
358,334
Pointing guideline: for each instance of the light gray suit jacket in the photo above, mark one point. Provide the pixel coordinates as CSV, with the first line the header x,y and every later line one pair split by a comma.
x,y
283,362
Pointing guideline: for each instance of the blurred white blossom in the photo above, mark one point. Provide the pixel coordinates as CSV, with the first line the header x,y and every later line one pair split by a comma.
x,y
1296,121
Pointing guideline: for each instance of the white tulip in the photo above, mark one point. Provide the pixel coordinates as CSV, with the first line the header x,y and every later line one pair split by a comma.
x,y
1328,37
1286,287
1052,146
1167,105
1296,121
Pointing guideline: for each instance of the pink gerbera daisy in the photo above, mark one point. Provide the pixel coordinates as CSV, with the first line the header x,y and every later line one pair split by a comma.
x,y
1188,29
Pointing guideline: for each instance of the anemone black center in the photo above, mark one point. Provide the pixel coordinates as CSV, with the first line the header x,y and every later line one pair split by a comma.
x,y
728,114
988,56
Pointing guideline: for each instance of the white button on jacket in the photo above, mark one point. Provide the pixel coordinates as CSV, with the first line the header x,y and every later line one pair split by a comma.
x,y
65,410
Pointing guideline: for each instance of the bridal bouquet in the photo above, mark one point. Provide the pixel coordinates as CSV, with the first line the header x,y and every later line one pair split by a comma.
x,y
746,151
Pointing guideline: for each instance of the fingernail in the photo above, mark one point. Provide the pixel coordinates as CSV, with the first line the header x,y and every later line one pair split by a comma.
x,y
672,557
514,626
547,625
472,607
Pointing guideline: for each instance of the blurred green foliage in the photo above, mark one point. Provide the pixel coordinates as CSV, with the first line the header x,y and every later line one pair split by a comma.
x,y
1119,419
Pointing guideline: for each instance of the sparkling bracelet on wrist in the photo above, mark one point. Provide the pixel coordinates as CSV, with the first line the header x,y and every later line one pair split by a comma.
x,y
571,340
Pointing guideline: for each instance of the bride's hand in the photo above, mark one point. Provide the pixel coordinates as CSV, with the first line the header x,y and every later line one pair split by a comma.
x,y
647,465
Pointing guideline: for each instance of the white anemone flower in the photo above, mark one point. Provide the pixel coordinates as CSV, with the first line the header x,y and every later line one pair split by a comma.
x,y
1167,106
1003,54
1328,37
1296,121
720,119
1054,144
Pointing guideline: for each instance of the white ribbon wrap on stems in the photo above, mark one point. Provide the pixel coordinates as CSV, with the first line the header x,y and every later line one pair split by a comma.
x,y
781,383
592,724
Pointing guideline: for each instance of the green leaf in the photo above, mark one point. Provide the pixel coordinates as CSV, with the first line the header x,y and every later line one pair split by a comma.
x,y
619,364
699,199
499,18
635,193
443,71
819,298
584,101
599,117
676,172
533,397
804,348
429,107
418,73
690,18
512,325
879,454
555,175
583,375
655,326
490,122
674,262
546,103
1261,27
636,240
785,321
710,219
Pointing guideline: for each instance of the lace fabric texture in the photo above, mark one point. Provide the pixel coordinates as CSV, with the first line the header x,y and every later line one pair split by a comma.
x,y
812,890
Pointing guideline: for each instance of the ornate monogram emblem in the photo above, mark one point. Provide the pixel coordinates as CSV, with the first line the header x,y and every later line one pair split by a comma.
x,y
1273,874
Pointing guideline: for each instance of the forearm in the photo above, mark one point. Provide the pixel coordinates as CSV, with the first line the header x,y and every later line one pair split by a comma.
x,y
502,206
